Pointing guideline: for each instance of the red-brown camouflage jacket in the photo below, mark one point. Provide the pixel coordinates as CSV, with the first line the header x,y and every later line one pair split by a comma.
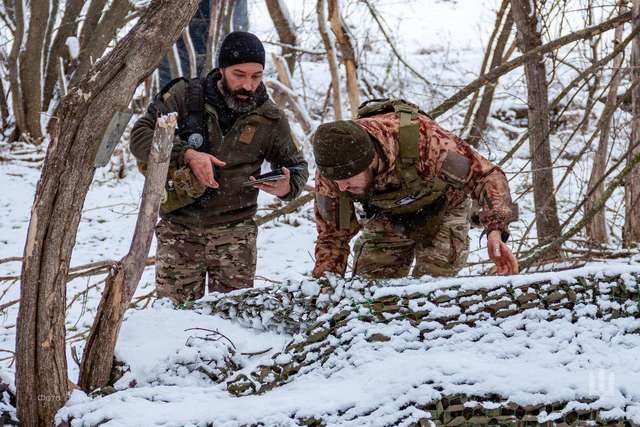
x,y
486,183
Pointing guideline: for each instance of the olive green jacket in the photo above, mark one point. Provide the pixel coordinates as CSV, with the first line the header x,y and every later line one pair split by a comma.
x,y
261,134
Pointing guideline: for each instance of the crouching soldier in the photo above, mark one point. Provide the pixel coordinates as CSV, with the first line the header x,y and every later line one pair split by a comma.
x,y
414,180
227,126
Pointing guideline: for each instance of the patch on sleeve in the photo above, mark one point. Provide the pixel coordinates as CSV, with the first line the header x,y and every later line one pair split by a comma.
x,y
456,167
247,134
327,206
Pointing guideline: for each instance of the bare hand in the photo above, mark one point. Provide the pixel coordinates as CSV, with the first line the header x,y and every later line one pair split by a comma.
x,y
201,165
279,188
501,255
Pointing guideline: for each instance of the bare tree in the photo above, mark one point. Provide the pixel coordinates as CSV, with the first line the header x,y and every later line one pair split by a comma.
x,y
594,82
31,68
631,232
123,278
529,37
597,227
488,54
341,32
14,72
332,60
286,32
4,109
213,34
67,28
93,45
84,115
191,53
496,73
40,58
479,122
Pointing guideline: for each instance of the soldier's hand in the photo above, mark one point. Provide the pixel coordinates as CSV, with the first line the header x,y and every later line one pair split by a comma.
x,y
278,188
201,165
501,255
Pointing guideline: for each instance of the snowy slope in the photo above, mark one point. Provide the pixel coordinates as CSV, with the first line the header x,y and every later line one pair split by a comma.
x,y
377,367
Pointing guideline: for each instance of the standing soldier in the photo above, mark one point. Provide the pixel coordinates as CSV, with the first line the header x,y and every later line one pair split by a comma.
x,y
413,179
227,126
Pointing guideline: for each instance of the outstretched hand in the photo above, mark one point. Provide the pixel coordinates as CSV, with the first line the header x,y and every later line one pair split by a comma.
x,y
201,165
501,255
279,188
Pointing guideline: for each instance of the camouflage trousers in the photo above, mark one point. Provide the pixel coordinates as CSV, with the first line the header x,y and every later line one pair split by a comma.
x,y
384,252
187,254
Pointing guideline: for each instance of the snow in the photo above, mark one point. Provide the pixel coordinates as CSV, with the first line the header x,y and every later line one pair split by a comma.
x,y
534,357
73,44
149,336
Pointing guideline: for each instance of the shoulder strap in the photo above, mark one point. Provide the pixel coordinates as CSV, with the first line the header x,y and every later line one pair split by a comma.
x,y
157,106
344,211
195,120
408,144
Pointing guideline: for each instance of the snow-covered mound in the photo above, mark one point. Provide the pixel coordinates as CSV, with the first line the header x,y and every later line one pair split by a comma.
x,y
541,348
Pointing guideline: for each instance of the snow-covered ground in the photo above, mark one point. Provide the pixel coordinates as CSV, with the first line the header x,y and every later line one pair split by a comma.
x,y
538,356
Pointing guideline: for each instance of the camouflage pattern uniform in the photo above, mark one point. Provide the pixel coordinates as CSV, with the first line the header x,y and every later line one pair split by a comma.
x,y
384,249
227,253
215,234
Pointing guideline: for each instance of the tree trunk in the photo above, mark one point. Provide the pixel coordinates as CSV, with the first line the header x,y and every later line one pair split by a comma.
x,y
241,16
101,35
84,114
547,222
123,279
631,232
228,18
595,84
175,67
67,28
479,123
4,109
91,19
348,55
31,69
54,7
498,28
14,72
212,39
284,27
285,95
191,53
597,227
331,58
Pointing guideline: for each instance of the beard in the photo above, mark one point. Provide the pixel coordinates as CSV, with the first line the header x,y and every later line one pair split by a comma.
x,y
235,103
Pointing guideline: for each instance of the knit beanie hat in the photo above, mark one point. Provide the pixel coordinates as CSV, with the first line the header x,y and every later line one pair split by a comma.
x,y
240,47
342,149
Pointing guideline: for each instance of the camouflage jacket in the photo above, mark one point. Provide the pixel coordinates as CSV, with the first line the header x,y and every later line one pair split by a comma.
x,y
261,134
485,183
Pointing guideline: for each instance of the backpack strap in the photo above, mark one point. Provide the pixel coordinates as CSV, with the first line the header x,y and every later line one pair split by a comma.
x,y
408,142
157,106
344,211
195,120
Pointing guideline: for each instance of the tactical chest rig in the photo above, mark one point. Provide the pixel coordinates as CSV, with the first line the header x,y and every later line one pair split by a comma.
x,y
196,129
182,187
417,207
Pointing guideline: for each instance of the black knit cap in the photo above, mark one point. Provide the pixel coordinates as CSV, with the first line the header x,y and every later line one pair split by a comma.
x,y
240,47
342,149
